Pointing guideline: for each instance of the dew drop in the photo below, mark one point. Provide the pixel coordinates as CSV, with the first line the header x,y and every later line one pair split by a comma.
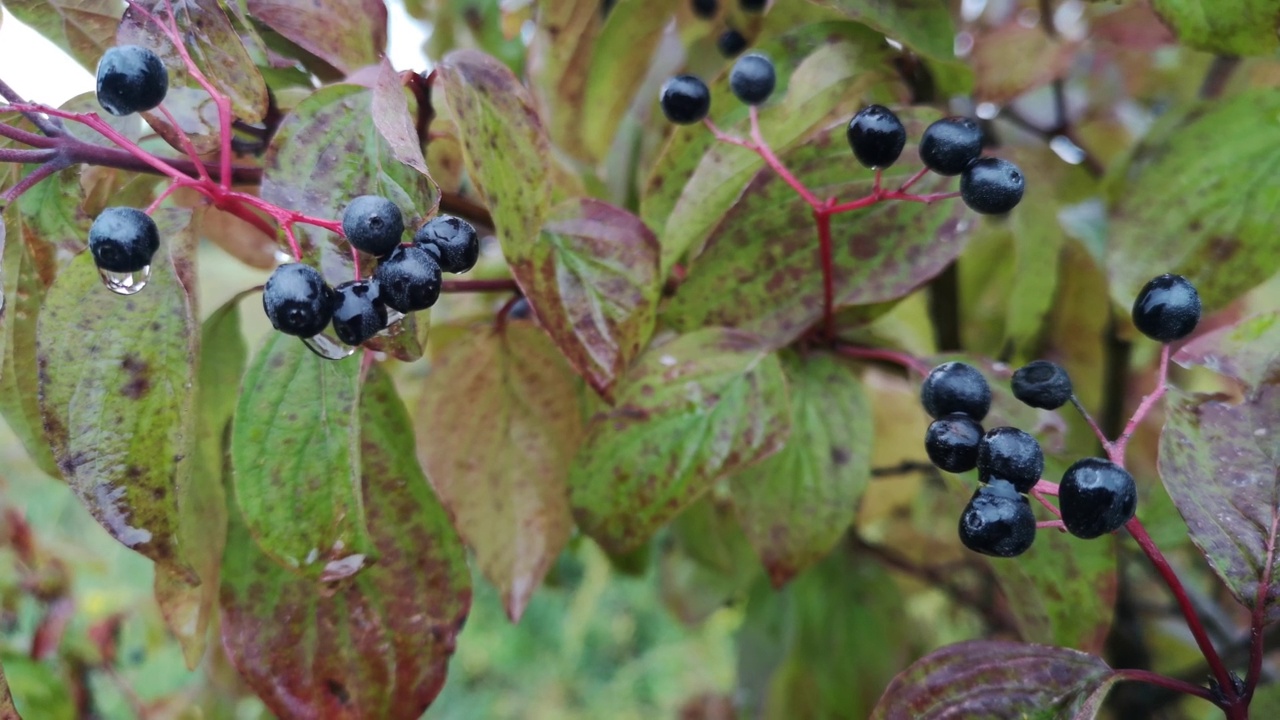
x,y
328,347
283,257
395,324
125,283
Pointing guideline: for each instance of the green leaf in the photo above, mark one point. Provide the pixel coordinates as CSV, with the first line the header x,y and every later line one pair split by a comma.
x,y
687,413
83,28
7,710
508,390
796,505
560,56
592,275
1226,27
708,562
925,27
378,645
38,691
1244,350
116,378
347,34
295,447
1210,216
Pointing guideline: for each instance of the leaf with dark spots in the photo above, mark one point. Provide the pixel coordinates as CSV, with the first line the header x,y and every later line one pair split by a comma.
x,y
560,56
510,504
687,413
378,645
83,28
117,417
796,505
296,454
347,34
998,679
392,118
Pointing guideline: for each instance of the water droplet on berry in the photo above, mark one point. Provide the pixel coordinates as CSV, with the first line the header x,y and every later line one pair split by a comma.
x,y
328,347
283,257
129,283
395,324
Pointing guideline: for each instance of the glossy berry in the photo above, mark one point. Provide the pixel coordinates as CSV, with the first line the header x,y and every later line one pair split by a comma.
x,y
753,5
877,136
123,239
131,79
952,442
752,78
452,240
1010,454
950,144
297,300
706,9
1167,309
1042,384
998,521
521,310
373,224
359,312
955,387
991,186
685,99
1096,497
409,279
731,42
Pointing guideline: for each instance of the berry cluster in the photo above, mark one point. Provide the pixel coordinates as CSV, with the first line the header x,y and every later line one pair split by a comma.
x,y
731,42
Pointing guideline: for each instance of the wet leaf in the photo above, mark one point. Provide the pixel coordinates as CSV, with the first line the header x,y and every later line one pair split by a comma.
x,y
378,644
83,28
1244,350
687,413
347,34
996,679
510,505
925,27
796,505
559,57
295,447
1227,27
392,118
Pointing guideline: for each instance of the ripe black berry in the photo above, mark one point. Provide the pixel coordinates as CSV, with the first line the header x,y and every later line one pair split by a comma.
x,y
950,144
685,99
1096,497
706,9
1042,384
731,42
409,279
521,310
452,240
123,239
297,300
877,136
955,387
753,5
131,79
1167,308
998,521
952,442
991,186
359,312
373,224
1010,454
752,78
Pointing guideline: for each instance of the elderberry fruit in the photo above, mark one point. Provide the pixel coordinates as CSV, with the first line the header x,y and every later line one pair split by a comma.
x,y
950,144
297,300
685,99
409,279
991,186
753,5
452,240
359,312
1010,454
521,310
131,79
1042,384
731,42
1096,497
956,387
952,442
373,224
752,78
706,9
998,521
877,136
1167,308
123,240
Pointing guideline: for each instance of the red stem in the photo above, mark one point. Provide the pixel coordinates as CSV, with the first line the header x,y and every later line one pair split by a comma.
x,y
184,140
822,219
901,359
26,157
28,182
1039,497
773,162
1093,424
1117,449
1259,618
479,286
1152,678
26,138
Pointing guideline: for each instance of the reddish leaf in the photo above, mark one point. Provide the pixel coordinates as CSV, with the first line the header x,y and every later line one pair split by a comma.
x,y
1012,59
1243,351
347,34
560,57
392,118
83,28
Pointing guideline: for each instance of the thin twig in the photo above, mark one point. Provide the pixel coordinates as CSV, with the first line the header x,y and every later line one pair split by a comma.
x,y
49,126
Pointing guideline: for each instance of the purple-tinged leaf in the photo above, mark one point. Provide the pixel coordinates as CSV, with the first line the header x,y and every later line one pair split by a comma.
x,y
347,34
559,61
83,28
687,413
924,27
376,645
1243,351
392,118
996,679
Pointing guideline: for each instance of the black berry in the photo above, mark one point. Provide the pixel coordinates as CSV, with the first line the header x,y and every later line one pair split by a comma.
x,y
952,442
1096,497
359,312
955,387
452,240
297,300
373,224
706,9
1010,454
950,144
731,42
1042,384
991,186
752,78
1167,308
685,99
877,136
131,79
409,279
521,310
123,239
753,5
998,521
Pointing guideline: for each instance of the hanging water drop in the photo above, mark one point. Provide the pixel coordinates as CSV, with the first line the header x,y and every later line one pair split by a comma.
x,y
129,283
395,324
328,347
